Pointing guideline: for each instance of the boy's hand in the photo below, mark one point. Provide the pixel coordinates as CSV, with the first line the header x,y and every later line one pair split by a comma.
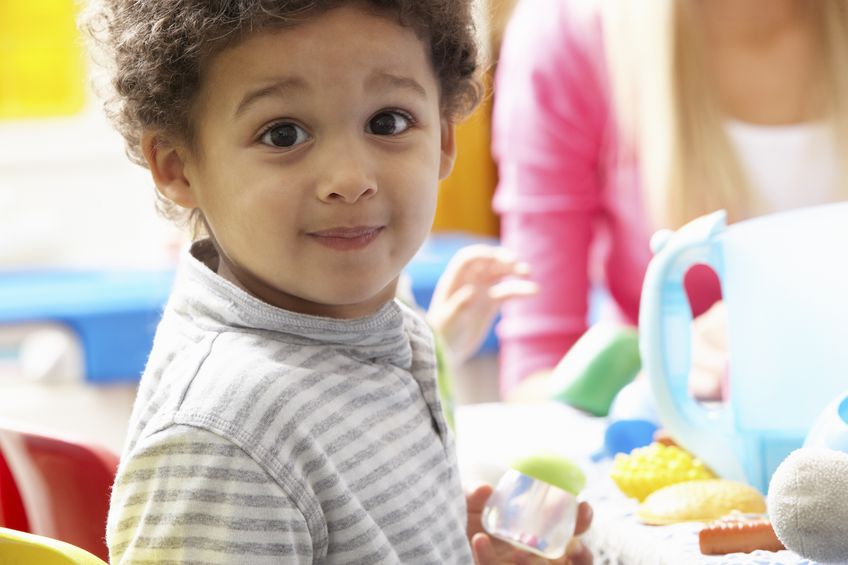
x,y
490,551
477,280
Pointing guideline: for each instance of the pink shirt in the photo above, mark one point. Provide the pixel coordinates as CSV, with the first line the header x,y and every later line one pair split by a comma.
x,y
569,195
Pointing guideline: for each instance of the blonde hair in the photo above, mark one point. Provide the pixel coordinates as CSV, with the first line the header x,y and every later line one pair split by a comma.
x,y
668,112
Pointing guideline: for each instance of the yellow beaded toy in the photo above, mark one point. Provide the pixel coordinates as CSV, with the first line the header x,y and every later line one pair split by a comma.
x,y
649,468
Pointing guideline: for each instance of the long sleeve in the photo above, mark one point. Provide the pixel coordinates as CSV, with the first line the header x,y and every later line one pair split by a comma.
x,y
189,496
549,125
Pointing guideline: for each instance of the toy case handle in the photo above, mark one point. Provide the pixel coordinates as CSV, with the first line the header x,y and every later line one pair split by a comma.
x,y
665,329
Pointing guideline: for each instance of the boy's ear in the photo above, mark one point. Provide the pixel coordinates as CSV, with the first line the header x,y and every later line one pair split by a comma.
x,y
448,148
167,165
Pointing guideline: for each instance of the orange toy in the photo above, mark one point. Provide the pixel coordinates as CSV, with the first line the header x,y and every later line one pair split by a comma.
x,y
741,533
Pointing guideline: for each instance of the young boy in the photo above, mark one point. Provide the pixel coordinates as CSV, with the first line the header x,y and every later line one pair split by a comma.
x,y
288,412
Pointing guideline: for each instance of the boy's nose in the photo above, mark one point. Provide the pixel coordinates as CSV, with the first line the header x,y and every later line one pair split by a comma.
x,y
346,179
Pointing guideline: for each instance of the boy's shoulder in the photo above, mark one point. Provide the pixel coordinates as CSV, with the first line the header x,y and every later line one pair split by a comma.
x,y
249,391
240,367
228,380
209,378
239,372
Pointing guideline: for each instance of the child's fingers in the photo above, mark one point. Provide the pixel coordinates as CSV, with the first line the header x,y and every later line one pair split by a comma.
x,y
476,499
455,302
493,272
483,550
492,295
501,262
584,518
472,257
483,302
513,288
484,252
483,262
487,274
485,553
578,553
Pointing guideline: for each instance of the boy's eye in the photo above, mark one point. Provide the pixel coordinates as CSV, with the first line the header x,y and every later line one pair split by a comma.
x,y
284,135
389,123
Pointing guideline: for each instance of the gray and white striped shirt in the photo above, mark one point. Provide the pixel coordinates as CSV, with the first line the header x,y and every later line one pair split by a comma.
x,y
264,436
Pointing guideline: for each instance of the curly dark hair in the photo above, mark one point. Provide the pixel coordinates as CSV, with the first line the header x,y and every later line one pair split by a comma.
x,y
153,53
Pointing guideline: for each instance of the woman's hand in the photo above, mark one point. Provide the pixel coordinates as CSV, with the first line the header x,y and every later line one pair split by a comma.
x,y
477,280
489,551
709,354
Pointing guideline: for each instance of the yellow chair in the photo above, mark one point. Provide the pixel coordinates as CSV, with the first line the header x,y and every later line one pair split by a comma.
x,y
18,548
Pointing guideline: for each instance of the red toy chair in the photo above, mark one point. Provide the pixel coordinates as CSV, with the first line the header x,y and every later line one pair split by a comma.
x,y
12,513
63,487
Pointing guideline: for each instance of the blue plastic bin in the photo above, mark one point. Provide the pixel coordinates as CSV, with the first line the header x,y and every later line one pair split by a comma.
x,y
113,313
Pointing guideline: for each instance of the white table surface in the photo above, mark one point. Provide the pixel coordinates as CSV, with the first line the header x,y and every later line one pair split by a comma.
x,y
491,435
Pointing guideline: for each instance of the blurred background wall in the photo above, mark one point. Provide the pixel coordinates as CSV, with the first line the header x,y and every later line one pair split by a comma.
x,y
68,195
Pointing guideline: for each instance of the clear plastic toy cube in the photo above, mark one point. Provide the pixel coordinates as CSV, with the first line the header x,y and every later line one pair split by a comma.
x,y
531,514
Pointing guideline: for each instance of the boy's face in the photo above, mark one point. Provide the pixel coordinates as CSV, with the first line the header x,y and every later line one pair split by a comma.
x,y
319,151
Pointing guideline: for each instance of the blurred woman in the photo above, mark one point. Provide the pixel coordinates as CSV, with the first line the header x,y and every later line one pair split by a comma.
x,y
615,118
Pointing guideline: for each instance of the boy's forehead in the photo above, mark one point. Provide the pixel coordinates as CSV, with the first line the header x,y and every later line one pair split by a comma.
x,y
342,44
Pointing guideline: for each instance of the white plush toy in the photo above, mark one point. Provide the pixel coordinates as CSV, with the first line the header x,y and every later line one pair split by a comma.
x,y
808,493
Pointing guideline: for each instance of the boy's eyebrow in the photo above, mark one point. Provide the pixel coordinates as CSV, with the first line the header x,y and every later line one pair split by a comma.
x,y
279,88
381,79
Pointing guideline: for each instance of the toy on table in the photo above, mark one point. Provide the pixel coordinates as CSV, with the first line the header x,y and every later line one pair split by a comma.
x,y
596,368
808,494
783,286
699,501
663,437
738,533
635,401
632,420
534,506
648,469
623,436
830,430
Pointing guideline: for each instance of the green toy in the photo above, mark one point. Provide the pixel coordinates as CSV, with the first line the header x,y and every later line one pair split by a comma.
x,y
552,469
598,365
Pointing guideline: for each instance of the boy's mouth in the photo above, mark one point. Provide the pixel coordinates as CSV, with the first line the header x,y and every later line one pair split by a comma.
x,y
347,239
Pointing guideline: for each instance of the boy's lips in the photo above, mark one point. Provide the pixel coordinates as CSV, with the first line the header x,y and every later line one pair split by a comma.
x,y
347,239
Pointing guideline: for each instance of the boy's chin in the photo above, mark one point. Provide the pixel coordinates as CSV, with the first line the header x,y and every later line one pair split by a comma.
x,y
348,302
